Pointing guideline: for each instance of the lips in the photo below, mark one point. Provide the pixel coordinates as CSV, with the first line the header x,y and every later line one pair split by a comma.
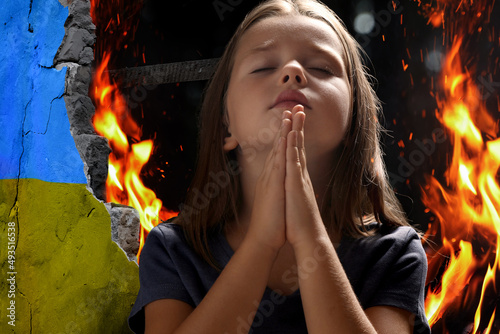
x,y
289,99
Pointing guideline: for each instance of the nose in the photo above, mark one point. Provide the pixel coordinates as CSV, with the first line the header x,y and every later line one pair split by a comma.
x,y
293,73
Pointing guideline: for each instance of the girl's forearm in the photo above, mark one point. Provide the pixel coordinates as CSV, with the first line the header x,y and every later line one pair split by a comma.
x,y
329,301
231,303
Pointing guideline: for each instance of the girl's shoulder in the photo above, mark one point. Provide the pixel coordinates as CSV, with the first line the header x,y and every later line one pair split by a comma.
x,y
169,227
388,268
384,241
166,235
397,233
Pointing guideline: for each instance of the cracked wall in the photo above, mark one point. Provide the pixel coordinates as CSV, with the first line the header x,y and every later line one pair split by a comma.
x,y
76,54
60,269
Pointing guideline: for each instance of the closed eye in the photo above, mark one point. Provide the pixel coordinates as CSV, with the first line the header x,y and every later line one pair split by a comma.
x,y
263,69
324,70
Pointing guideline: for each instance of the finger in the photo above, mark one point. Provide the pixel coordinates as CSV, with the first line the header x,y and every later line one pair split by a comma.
x,y
298,121
287,114
298,125
286,128
286,124
271,155
293,167
274,168
297,108
278,151
278,170
280,155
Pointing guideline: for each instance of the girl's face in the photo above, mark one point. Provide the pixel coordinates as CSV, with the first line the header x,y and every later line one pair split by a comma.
x,y
281,62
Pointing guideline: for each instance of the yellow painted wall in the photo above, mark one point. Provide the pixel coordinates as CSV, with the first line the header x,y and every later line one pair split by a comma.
x,y
70,277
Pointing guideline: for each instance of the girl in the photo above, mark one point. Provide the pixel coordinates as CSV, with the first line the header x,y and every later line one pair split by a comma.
x,y
290,225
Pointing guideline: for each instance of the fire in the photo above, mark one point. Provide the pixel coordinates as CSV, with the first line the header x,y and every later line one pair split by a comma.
x,y
454,279
114,121
467,207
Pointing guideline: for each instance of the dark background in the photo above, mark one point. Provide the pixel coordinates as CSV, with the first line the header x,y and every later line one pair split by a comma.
x,y
172,31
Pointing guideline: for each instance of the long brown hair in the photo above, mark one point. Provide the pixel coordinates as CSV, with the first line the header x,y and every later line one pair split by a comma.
x,y
359,190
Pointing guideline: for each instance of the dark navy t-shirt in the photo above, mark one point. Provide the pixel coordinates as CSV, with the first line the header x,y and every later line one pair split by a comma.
x,y
388,268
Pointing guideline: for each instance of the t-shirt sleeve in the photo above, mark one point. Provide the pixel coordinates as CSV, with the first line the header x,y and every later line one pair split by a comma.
x,y
403,283
158,276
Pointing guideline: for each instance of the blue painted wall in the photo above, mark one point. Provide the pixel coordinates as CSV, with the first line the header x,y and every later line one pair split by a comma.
x,y
35,140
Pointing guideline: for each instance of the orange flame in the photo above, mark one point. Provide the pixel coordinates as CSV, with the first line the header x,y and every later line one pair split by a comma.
x,y
114,121
457,275
467,209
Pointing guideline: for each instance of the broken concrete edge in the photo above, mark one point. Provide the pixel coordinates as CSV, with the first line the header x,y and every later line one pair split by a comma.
x,y
76,54
125,228
79,37
65,3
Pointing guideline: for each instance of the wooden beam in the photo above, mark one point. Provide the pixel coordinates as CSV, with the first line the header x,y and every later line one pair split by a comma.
x,y
165,73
